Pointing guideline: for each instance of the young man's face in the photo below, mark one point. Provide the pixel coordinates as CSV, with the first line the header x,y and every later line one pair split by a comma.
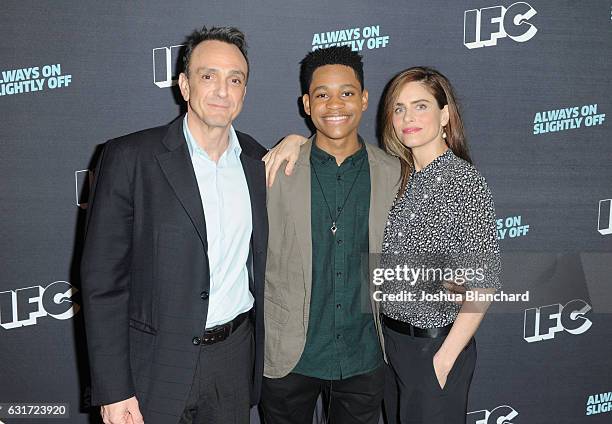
x,y
335,101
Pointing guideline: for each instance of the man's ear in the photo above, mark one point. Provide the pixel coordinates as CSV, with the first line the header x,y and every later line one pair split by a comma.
x,y
364,100
183,82
306,102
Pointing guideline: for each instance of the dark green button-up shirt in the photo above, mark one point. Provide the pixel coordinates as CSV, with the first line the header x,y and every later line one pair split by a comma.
x,y
341,340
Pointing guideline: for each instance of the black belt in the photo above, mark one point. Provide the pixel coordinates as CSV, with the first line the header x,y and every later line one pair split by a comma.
x,y
221,332
411,330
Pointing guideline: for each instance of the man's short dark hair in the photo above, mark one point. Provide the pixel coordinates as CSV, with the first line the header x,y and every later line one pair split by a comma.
x,y
337,55
229,35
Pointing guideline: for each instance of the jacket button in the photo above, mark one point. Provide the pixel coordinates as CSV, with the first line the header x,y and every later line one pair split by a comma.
x,y
196,341
204,295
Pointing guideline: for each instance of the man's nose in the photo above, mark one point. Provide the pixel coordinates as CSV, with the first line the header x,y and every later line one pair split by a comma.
x,y
222,88
335,103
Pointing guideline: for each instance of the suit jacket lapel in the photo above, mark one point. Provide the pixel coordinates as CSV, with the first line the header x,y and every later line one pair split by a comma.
x,y
255,174
178,170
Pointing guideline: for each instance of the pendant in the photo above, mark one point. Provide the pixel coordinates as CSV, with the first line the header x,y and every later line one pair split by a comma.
x,y
334,228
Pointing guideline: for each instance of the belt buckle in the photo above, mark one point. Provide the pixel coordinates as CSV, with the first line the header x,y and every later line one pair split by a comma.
x,y
218,334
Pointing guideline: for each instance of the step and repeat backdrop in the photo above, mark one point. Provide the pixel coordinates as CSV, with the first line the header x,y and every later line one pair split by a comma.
x,y
533,79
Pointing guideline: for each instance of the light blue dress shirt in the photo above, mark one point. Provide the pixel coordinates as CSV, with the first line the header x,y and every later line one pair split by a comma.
x,y
227,210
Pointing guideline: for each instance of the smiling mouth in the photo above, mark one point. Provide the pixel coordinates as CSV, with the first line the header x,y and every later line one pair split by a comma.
x,y
333,119
411,130
218,106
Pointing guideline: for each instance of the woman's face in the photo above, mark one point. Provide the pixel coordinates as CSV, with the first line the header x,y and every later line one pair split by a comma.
x,y
417,119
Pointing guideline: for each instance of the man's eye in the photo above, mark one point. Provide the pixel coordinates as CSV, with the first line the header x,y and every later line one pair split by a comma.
x,y
348,93
321,95
236,81
206,76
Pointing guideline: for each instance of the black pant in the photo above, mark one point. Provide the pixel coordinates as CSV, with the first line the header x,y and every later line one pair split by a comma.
x,y
412,392
220,393
292,399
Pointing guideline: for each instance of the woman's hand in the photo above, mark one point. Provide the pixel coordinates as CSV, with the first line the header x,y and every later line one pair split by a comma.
x,y
287,150
442,367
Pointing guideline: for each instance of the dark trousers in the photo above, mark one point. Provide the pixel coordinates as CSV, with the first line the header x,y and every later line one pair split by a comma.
x,y
412,392
292,399
220,393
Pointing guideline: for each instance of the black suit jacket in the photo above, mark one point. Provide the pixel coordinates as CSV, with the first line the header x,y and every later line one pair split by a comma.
x,y
145,273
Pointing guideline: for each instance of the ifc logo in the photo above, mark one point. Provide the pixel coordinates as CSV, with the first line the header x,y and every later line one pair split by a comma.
x,y
23,307
542,323
82,186
604,217
165,60
482,27
503,414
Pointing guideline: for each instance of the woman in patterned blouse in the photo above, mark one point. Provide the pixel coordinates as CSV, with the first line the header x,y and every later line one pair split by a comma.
x,y
441,227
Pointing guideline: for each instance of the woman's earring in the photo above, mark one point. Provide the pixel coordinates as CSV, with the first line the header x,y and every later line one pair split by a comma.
x,y
443,133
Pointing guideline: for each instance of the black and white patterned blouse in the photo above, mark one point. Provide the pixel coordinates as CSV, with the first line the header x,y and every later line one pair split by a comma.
x,y
444,224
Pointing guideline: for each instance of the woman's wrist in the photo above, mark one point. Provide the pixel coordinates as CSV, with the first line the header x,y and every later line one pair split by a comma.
x,y
446,357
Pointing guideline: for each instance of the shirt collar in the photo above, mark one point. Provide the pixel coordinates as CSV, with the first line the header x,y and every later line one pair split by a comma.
x,y
193,146
436,164
322,157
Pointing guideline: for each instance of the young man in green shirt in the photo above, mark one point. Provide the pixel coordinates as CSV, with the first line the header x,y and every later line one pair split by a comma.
x,y
321,333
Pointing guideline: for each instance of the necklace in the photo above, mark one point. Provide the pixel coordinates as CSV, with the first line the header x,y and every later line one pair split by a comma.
x,y
334,227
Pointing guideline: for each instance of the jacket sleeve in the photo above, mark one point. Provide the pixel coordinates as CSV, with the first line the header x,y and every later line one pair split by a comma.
x,y
105,278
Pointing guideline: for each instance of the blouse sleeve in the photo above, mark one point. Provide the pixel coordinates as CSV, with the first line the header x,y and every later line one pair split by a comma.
x,y
477,233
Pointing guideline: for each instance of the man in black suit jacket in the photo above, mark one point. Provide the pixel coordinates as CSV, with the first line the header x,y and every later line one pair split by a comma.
x,y
174,257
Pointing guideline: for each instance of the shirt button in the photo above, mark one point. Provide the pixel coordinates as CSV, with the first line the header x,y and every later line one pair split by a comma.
x,y
338,336
339,242
338,306
204,295
196,341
